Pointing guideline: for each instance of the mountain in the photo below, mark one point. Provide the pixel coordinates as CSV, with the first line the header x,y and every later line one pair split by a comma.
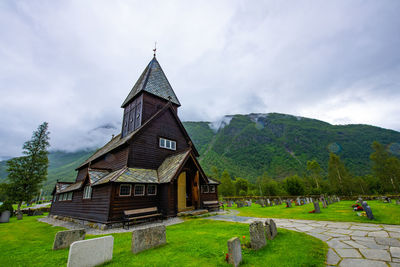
x,y
249,145
61,166
280,144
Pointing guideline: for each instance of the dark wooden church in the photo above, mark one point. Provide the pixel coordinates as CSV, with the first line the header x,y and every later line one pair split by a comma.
x,y
152,163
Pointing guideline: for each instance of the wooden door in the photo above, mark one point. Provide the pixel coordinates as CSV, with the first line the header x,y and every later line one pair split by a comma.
x,y
182,192
196,191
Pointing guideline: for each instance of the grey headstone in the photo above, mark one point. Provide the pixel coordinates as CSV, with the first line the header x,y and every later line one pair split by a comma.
x,y
143,239
270,229
19,215
323,203
91,252
316,207
64,239
234,251
364,204
240,204
389,200
229,204
257,235
5,216
368,211
397,202
37,213
288,204
268,202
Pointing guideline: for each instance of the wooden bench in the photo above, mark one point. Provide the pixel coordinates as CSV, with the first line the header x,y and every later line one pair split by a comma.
x,y
132,216
211,205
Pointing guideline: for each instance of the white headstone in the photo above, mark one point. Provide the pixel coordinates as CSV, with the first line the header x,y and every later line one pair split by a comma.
x,y
91,252
234,251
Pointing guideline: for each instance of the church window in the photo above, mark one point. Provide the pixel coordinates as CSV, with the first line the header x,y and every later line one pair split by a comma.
x,y
212,188
168,144
87,192
125,190
139,190
152,190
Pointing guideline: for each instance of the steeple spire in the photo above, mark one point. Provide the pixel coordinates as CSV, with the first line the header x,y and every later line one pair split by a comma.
x,y
155,49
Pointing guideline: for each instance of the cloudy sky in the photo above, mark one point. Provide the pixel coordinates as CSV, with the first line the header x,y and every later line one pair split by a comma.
x,y
72,63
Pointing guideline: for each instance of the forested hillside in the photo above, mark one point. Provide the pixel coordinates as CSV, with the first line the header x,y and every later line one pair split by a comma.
x,y
280,145
249,145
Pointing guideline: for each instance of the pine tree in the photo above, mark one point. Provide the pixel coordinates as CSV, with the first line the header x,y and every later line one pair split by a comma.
x,y
26,173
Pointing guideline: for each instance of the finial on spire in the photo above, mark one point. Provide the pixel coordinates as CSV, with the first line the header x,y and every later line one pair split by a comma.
x,y
155,49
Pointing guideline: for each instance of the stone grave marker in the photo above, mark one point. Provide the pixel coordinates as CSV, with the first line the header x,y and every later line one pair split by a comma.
x,y
316,207
397,202
91,252
270,229
19,215
389,200
257,235
262,203
323,203
288,204
240,204
364,204
5,216
229,204
234,251
368,211
268,202
144,239
276,202
64,239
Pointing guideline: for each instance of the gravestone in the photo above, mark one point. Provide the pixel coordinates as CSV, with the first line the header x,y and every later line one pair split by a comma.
x,y
5,216
288,204
257,235
37,213
316,207
323,203
389,200
229,204
268,202
311,200
91,252
144,239
270,229
240,204
368,211
298,202
64,239
364,204
397,202
262,202
19,215
276,202
234,251
248,203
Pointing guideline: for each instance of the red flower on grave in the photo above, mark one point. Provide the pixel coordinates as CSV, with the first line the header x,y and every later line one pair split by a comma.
x,y
227,257
244,237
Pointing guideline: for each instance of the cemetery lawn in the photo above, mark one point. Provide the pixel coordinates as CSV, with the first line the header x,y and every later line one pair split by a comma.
x,y
196,242
387,213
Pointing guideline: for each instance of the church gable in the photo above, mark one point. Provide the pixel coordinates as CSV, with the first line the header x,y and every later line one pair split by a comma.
x,y
145,150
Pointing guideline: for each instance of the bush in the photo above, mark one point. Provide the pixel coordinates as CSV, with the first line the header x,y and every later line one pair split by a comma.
x,y
7,206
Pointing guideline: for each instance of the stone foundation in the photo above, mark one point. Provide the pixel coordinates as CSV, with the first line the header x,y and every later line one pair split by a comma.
x,y
94,225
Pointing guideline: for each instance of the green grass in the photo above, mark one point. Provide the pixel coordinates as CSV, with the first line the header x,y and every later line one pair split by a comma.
x,y
196,242
387,213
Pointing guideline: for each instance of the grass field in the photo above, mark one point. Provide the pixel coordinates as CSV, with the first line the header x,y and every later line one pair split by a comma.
x,y
196,242
388,213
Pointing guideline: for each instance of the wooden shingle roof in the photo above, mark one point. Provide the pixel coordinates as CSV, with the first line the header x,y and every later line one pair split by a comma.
x,y
153,81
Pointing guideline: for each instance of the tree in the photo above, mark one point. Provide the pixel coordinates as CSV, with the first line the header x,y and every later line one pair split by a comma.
x,y
385,167
226,188
26,173
267,186
242,186
294,185
315,174
338,176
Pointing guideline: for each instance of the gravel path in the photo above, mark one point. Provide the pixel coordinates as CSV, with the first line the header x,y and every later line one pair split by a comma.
x,y
92,231
350,244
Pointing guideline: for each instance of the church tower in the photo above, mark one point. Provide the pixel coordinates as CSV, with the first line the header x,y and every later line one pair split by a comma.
x,y
149,94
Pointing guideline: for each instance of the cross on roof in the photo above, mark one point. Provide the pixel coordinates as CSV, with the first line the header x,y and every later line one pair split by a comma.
x,y
155,49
